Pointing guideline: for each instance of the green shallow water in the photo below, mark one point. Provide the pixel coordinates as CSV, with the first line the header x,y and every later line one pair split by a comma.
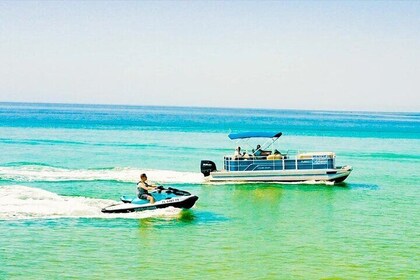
x,y
274,234
235,231
366,228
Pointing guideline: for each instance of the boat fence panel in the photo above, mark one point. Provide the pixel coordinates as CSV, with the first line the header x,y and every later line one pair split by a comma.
x,y
252,165
290,164
323,164
305,164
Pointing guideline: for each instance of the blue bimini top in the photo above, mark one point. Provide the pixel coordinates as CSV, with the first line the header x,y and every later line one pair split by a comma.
x,y
260,134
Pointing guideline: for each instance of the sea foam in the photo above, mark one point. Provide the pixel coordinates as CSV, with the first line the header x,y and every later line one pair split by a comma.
x,y
32,173
22,202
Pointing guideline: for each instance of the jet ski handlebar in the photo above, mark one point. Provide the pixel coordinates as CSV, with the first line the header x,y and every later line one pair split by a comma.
x,y
159,189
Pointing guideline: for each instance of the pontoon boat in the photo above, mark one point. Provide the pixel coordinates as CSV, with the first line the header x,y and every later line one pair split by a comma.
x,y
267,164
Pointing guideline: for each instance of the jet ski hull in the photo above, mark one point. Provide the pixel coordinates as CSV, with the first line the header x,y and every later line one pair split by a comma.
x,y
185,202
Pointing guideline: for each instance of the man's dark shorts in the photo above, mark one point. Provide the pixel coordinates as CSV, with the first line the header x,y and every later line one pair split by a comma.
x,y
144,196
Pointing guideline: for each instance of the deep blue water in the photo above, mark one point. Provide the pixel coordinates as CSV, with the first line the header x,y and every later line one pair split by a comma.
x,y
291,122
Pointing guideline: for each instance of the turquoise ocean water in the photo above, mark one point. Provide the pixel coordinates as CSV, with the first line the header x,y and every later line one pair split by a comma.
x,y
60,164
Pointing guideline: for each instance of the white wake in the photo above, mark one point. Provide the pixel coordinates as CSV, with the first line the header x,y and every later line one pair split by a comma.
x,y
21,202
31,173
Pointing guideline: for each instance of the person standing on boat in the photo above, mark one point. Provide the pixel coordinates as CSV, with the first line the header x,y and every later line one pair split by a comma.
x,y
143,189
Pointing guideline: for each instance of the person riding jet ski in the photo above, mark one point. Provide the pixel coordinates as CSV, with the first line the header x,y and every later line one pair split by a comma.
x,y
143,187
158,197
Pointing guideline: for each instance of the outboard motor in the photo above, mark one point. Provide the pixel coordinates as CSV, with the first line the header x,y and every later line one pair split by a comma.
x,y
207,166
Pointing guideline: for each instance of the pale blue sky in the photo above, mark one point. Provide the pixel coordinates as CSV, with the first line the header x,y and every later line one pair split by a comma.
x,y
292,55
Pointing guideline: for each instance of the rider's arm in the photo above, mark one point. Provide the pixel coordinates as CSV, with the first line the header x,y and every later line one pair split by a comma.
x,y
148,187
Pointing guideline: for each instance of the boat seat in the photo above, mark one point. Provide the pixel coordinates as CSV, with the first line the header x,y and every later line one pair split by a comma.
x,y
274,157
260,158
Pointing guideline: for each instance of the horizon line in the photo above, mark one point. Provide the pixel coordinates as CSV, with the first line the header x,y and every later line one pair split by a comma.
x,y
205,107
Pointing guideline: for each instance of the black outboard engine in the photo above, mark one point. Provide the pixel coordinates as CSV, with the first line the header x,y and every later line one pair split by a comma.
x,y
207,166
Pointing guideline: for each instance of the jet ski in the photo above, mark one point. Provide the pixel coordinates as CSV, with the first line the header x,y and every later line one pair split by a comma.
x,y
163,198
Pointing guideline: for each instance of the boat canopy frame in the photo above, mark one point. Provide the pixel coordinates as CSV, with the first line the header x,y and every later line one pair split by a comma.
x,y
245,136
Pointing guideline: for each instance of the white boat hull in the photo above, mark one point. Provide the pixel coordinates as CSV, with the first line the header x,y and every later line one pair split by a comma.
x,y
317,175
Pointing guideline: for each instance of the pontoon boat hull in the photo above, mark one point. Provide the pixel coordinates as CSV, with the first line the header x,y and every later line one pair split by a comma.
x,y
315,175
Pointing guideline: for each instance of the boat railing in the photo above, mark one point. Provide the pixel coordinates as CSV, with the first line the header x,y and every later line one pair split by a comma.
x,y
280,162
291,153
